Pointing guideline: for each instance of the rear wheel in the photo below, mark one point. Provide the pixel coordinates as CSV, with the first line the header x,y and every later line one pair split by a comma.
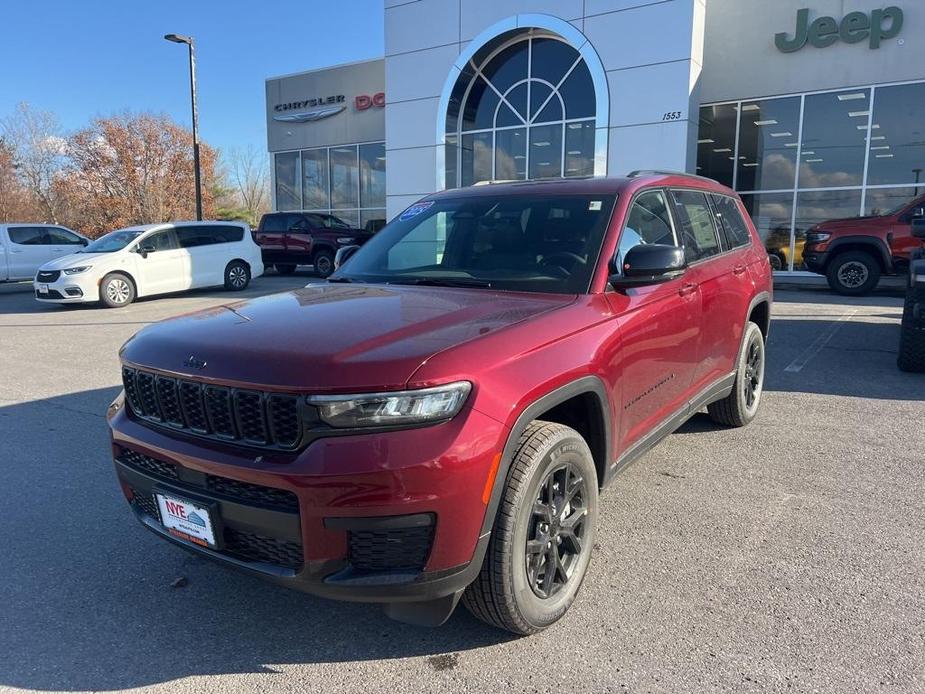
x,y
912,335
323,262
284,268
541,542
237,276
116,290
741,405
853,273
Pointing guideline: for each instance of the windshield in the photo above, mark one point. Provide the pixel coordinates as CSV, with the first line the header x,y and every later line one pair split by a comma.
x,y
518,243
113,241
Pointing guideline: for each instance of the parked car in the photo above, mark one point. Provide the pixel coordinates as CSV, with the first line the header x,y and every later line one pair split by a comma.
x,y
434,423
912,333
853,253
288,239
152,259
24,248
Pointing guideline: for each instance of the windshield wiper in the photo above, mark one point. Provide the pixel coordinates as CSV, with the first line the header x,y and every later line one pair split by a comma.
x,y
443,282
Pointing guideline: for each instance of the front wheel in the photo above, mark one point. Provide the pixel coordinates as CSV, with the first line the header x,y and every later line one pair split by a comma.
x,y
116,290
323,262
741,405
854,273
543,534
237,276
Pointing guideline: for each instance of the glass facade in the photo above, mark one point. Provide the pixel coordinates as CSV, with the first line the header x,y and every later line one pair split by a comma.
x,y
803,159
347,181
523,108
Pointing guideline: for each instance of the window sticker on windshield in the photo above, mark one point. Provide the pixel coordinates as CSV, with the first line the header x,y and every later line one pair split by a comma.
x,y
594,206
416,209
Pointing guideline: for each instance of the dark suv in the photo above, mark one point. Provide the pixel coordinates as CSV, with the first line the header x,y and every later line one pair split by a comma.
x,y
288,239
435,422
912,333
853,253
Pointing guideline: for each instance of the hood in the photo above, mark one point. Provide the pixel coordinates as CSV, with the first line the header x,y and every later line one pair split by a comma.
x,y
74,260
847,222
343,337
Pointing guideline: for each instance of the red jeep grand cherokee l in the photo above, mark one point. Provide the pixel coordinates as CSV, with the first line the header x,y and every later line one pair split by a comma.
x,y
435,422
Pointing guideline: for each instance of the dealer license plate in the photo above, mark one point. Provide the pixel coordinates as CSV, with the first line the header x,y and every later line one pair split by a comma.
x,y
186,520
43,289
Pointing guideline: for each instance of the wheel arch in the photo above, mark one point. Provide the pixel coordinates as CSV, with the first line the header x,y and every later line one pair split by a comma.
x,y
239,260
585,396
759,312
866,244
126,274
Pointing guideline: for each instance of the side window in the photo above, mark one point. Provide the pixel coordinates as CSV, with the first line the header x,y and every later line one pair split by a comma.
x,y
226,234
730,220
161,241
698,235
297,222
193,236
648,222
274,223
63,236
28,236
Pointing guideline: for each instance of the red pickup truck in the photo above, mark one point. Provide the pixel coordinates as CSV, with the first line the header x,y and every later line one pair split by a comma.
x,y
288,239
434,422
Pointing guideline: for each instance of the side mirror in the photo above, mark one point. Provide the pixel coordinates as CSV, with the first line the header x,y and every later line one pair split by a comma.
x,y
84,242
144,250
343,255
918,228
649,264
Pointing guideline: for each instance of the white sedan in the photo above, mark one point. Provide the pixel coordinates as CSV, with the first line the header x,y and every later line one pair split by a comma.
x,y
152,259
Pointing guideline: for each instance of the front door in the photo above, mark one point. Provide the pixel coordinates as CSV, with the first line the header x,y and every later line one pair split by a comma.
x,y
659,329
28,250
166,267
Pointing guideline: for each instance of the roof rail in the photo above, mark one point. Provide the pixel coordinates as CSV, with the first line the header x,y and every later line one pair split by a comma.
x,y
665,172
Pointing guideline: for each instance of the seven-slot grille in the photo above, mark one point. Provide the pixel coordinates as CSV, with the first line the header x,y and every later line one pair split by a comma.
x,y
252,417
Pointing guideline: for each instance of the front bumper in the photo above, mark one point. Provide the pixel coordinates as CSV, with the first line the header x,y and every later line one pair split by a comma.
x,y
815,260
393,517
68,289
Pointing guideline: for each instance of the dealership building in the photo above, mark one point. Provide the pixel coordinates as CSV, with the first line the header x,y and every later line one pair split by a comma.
x,y
810,109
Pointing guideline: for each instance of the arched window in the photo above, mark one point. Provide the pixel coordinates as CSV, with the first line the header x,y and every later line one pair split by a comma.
x,y
523,107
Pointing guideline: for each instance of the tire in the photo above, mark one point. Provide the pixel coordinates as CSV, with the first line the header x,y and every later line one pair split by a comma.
x,y
911,356
506,594
323,261
776,263
284,268
853,273
237,276
741,405
117,290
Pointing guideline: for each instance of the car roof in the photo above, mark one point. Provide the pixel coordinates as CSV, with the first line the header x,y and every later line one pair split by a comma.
x,y
586,186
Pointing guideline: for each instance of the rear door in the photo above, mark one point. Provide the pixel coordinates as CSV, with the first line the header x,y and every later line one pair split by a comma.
x,y
271,237
659,327
28,250
299,237
166,268
720,272
210,248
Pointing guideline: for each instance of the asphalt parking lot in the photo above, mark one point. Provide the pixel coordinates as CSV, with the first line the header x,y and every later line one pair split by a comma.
x,y
785,556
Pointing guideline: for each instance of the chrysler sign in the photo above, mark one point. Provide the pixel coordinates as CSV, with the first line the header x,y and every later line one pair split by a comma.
x,y
310,110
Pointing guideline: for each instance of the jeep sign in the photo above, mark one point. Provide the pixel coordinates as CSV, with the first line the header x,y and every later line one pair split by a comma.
x,y
854,28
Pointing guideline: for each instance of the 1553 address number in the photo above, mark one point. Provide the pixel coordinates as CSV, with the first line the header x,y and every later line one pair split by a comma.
x,y
672,115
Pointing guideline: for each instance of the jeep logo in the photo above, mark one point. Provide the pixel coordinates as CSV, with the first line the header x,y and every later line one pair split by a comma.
x,y
854,28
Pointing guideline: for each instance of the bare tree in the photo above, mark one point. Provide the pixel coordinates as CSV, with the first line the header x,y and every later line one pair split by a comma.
x,y
38,153
247,172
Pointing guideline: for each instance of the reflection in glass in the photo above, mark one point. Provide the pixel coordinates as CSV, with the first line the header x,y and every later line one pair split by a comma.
x,y
344,179
551,59
288,193
315,179
897,147
822,206
372,220
834,131
351,217
579,148
372,175
511,154
450,160
546,151
771,213
768,135
716,142
476,158
479,112
578,93
886,201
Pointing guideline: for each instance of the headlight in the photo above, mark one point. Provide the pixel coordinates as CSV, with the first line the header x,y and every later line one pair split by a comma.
x,y
346,240
77,270
817,236
391,409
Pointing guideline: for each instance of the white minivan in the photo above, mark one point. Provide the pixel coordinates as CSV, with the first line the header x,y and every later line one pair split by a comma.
x,y
153,259
24,248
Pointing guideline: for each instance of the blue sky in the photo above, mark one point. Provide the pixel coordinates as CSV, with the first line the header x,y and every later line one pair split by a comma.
x,y
90,58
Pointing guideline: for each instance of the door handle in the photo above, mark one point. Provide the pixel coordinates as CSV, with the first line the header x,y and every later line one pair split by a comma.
x,y
687,288
739,269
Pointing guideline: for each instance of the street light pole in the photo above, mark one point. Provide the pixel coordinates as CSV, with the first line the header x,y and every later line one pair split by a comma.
x,y
188,40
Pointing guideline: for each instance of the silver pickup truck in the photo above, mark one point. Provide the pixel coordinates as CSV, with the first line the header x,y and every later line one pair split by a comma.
x,y
25,247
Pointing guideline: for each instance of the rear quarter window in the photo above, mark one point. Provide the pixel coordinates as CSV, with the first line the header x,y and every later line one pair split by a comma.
x,y
730,220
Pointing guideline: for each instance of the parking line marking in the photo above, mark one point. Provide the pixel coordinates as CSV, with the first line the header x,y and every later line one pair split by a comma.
x,y
796,366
